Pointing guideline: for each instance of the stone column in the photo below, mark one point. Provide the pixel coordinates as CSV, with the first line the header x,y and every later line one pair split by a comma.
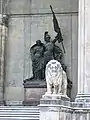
x,y
3,37
84,52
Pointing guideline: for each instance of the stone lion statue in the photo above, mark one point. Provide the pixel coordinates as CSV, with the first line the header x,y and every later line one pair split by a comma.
x,y
56,78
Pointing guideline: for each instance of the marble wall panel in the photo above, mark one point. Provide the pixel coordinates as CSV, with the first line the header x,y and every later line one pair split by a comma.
x,y
14,60
41,6
15,53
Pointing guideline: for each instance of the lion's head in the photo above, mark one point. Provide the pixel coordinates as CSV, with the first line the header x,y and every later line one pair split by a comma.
x,y
53,67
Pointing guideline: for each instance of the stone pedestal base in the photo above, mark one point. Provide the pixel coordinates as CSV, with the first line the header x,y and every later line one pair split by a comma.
x,y
59,107
55,96
33,91
2,103
55,99
13,103
82,98
82,101
33,95
55,107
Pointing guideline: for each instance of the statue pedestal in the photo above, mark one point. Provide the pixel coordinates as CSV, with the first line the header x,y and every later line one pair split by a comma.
x,y
55,107
53,97
33,91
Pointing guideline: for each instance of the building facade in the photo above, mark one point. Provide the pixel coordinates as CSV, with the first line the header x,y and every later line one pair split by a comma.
x,y
26,22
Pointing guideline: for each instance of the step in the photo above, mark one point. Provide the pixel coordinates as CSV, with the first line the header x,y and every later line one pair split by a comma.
x,y
19,118
19,113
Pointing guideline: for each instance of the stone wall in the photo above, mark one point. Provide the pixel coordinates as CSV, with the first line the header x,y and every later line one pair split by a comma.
x,y
28,20
62,112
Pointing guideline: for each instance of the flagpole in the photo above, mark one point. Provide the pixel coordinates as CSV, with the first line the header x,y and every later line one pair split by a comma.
x,y
57,29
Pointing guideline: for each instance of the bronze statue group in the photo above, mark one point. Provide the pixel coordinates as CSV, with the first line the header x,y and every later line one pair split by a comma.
x,y
42,53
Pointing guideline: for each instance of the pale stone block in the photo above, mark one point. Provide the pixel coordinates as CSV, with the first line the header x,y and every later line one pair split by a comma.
x,y
15,53
74,5
63,111
41,6
27,44
55,107
14,93
34,94
49,115
19,6
13,103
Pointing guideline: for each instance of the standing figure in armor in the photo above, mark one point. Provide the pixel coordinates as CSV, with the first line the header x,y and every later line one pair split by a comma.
x,y
51,50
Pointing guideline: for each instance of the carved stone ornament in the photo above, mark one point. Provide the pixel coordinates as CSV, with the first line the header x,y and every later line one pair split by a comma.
x,y
4,20
56,78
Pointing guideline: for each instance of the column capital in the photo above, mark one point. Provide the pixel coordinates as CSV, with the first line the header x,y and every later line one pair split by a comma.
x,y
4,20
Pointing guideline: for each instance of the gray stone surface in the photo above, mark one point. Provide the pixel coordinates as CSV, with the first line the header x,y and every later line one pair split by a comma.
x,y
15,53
32,95
55,100
19,113
83,94
15,60
25,30
27,44
55,107
41,6
60,109
32,113
74,60
3,39
14,94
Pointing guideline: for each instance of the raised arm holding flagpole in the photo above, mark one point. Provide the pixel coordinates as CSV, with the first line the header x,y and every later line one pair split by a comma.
x,y
57,29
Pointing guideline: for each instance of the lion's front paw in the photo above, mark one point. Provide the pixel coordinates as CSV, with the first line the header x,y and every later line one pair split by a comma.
x,y
48,93
54,93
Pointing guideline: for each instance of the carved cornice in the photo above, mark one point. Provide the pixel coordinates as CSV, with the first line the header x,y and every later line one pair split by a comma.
x,y
4,20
